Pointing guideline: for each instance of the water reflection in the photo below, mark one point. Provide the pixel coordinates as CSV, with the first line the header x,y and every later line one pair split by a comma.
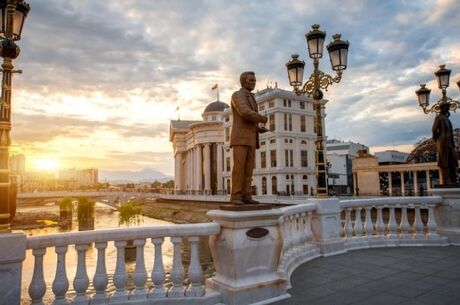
x,y
105,218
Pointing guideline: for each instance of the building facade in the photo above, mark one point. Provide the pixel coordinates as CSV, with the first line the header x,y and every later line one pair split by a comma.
x,y
339,158
285,162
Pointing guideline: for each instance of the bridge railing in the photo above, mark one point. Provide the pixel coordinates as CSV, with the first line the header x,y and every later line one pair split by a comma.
x,y
194,291
381,222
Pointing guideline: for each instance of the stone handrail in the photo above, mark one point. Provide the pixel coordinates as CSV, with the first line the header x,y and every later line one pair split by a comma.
x,y
365,226
195,292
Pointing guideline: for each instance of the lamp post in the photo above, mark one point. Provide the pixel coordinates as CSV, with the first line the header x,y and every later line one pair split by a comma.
x,y
13,14
423,93
442,127
338,54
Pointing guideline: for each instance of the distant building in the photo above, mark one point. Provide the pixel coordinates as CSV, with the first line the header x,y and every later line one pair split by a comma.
x,y
391,157
285,162
17,170
339,155
79,177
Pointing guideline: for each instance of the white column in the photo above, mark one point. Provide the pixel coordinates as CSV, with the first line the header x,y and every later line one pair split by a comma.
x,y
415,183
177,172
403,189
199,168
207,167
219,167
390,184
428,180
192,174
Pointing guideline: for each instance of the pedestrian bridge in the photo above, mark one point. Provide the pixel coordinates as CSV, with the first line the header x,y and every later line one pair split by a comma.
x,y
255,253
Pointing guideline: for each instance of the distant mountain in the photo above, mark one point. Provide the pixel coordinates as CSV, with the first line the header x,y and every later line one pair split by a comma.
x,y
145,175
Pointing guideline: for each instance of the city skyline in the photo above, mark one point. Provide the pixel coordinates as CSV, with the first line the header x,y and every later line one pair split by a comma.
x,y
102,80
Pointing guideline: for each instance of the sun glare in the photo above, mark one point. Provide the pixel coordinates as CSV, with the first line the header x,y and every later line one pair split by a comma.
x,y
47,164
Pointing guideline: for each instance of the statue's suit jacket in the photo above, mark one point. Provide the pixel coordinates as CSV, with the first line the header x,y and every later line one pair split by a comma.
x,y
245,128
443,136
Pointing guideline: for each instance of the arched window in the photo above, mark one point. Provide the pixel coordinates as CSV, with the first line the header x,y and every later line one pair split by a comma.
x,y
264,186
228,186
274,186
305,177
303,142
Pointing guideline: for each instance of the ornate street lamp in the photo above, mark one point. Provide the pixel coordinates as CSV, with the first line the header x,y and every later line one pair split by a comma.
x,y
442,127
13,14
423,93
338,54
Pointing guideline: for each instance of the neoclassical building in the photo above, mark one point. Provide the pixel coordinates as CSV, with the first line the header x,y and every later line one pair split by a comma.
x,y
285,162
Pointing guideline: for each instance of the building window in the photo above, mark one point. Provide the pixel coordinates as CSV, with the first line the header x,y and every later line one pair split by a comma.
x,y
285,121
305,189
262,143
286,141
263,159
273,158
287,103
302,105
291,141
274,186
261,107
214,118
314,124
228,186
273,141
227,134
227,118
286,157
272,122
264,186
291,161
304,158
305,177
271,103
290,121
303,123
303,142
227,161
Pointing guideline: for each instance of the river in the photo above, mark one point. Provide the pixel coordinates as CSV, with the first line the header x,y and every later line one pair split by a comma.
x,y
105,217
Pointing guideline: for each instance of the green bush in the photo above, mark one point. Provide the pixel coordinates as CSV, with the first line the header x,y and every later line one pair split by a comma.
x,y
85,209
130,214
66,204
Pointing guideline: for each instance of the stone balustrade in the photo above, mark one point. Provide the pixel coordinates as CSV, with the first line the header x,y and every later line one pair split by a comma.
x,y
383,222
254,252
194,293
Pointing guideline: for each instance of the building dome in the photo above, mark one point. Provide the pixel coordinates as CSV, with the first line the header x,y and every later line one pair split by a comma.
x,y
425,151
216,106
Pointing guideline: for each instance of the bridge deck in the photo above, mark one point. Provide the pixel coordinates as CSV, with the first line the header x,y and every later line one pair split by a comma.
x,y
406,276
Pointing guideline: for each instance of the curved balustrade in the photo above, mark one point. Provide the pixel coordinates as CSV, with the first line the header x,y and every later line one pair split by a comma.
x,y
193,293
382,222
297,236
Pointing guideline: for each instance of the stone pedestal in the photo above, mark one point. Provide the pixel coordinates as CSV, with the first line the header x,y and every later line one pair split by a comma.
x,y
326,227
13,252
448,213
246,254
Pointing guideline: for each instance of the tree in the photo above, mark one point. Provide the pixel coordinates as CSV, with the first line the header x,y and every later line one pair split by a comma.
x,y
168,184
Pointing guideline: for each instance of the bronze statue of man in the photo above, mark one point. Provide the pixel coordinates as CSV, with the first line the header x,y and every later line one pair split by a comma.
x,y
445,147
244,139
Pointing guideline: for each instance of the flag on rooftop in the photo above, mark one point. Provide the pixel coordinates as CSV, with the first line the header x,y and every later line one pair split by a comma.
x,y
214,87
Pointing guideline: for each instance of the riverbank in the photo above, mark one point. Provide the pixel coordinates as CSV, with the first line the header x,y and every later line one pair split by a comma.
x,y
35,220
178,212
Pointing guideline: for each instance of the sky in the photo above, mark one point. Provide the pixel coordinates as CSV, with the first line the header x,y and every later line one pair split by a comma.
x,y
103,79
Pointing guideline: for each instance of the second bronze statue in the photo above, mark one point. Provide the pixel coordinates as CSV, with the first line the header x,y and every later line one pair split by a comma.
x,y
244,139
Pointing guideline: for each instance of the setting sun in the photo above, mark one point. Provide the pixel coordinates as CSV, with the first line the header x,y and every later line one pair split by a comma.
x,y
46,164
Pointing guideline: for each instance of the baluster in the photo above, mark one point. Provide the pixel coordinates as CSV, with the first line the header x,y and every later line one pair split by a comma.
x,y
119,277
177,272
37,286
368,226
392,226
302,229
309,232
379,226
404,224
158,272
418,224
297,233
358,223
100,279
60,282
140,274
348,223
81,280
195,273
431,224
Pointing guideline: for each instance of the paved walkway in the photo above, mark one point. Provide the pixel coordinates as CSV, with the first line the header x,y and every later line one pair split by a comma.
x,y
406,276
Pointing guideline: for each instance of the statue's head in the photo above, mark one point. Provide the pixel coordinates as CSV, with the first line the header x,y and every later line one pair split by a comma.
x,y
248,80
